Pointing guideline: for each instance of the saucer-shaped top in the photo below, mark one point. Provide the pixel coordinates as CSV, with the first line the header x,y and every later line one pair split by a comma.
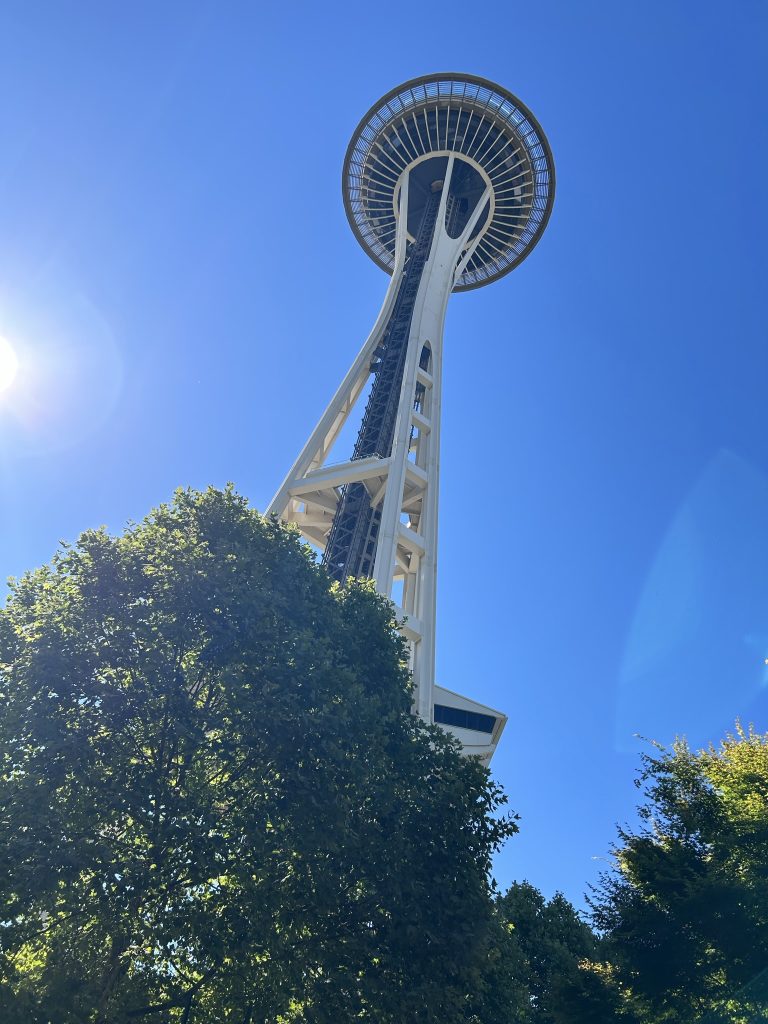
x,y
486,128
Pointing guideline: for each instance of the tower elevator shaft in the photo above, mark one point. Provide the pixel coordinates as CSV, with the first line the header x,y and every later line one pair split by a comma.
x,y
351,547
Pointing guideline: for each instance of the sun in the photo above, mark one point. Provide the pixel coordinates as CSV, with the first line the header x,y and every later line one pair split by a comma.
x,y
9,364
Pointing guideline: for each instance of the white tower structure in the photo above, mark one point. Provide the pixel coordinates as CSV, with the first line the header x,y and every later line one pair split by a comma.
x,y
448,184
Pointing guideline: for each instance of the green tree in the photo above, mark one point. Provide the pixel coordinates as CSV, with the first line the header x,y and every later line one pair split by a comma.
x,y
543,965
552,939
502,994
547,950
214,803
685,914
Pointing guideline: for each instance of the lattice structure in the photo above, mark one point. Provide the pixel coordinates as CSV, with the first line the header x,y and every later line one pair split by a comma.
x,y
448,184
462,114
351,546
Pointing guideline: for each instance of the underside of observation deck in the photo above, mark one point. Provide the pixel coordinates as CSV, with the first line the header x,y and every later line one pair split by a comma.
x,y
474,119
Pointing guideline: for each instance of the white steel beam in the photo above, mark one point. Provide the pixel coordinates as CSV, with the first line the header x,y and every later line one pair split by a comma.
x,y
338,473
320,441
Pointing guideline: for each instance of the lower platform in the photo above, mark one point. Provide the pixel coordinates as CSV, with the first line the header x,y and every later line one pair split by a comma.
x,y
477,726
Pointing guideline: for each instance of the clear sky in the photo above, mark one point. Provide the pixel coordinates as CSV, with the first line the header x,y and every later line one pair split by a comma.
x,y
184,294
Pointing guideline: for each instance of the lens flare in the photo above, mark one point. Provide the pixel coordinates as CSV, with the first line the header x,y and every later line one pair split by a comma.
x,y
9,364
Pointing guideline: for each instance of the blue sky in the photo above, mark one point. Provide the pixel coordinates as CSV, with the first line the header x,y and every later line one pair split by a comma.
x,y
183,291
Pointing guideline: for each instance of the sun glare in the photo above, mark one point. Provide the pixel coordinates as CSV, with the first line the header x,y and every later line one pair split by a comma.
x,y
9,364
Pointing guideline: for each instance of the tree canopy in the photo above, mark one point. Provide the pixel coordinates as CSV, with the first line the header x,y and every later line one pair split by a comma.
x,y
679,927
535,958
215,806
550,940
214,803
685,914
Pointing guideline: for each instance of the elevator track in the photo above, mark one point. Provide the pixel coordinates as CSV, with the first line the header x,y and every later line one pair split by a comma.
x,y
352,541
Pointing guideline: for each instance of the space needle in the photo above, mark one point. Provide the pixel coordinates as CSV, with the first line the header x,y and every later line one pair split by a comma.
x,y
448,184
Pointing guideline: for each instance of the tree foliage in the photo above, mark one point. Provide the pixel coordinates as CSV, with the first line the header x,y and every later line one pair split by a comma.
x,y
681,923
215,806
214,803
551,940
685,914
539,970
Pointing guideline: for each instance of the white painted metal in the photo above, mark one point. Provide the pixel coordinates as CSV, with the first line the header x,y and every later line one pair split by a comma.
x,y
407,481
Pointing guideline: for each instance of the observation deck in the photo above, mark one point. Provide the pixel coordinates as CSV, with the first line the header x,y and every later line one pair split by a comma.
x,y
499,149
